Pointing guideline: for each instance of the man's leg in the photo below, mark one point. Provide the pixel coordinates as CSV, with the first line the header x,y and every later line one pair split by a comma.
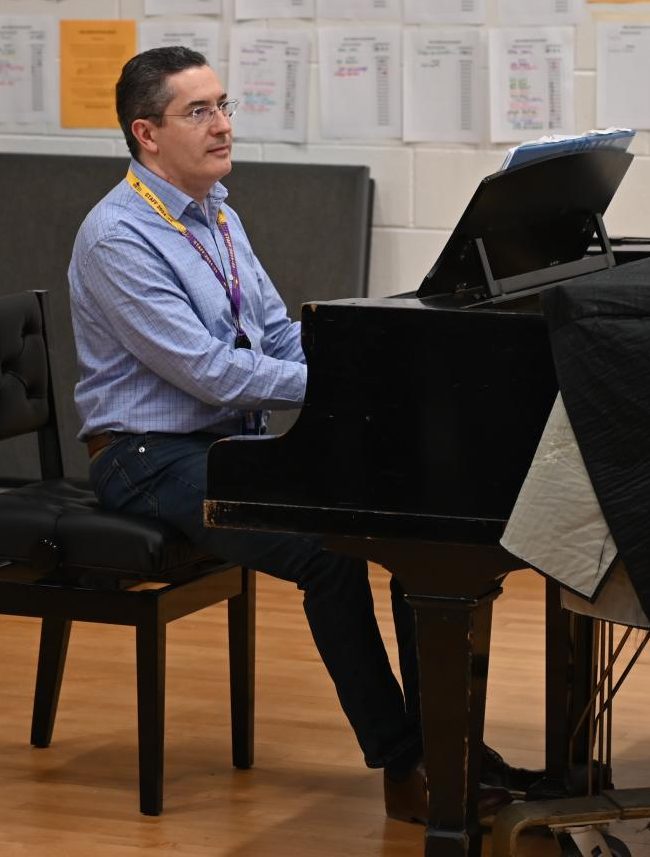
x,y
165,476
405,632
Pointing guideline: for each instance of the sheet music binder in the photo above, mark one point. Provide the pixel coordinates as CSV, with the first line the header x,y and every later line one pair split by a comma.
x,y
545,147
531,225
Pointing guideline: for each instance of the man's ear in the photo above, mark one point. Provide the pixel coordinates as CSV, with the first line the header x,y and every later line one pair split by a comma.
x,y
144,131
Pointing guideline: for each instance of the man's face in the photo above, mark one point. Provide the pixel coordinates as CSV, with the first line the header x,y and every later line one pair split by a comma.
x,y
193,156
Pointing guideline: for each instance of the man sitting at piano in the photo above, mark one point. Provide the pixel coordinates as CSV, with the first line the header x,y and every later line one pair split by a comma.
x,y
182,339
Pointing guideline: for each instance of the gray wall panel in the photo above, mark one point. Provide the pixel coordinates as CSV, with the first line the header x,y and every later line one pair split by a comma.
x,y
309,225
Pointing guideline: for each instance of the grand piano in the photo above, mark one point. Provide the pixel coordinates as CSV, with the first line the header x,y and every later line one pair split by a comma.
x,y
422,414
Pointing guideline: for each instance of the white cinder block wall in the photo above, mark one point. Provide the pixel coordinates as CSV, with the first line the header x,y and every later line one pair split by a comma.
x,y
421,189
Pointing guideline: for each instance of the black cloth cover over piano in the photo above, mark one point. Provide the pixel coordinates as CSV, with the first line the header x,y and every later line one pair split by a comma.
x,y
600,338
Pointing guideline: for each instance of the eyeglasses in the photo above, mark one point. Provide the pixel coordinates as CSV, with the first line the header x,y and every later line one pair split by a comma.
x,y
204,115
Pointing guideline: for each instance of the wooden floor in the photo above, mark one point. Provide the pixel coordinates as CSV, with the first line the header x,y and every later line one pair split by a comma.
x,y
309,794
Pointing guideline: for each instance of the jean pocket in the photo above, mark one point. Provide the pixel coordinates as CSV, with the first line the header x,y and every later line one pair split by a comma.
x,y
102,470
117,488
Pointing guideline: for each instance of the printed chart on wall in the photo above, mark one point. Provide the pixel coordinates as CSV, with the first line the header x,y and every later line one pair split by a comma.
x,y
531,82
202,36
273,9
360,78
545,12
182,7
383,10
92,56
444,12
442,72
623,56
27,52
269,74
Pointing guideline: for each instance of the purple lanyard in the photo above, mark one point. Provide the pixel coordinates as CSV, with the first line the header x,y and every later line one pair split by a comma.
x,y
233,291
251,420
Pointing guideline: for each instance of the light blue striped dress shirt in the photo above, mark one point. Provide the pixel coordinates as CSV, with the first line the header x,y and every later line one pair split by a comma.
x,y
153,326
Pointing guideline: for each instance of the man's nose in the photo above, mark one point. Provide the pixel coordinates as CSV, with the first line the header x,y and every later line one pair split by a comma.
x,y
220,122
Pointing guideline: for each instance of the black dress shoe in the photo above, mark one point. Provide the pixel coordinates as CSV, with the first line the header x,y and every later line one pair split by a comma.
x,y
495,771
407,799
490,800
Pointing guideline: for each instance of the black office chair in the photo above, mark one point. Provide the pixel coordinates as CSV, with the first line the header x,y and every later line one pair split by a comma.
x,y
63,559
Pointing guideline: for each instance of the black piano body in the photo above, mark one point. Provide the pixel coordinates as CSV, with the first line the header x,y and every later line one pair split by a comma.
x,y
412,430
422,414
410,452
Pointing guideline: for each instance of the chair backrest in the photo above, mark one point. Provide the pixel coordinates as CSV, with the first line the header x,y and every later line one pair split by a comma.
x,y
310,227
35,252
26,395
309,224
23,366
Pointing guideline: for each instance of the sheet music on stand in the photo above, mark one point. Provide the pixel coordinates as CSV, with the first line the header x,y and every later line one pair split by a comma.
x,y
559,144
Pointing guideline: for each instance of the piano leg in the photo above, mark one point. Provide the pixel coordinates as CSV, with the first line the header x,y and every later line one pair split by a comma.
x,y
453,647
451,587
569,644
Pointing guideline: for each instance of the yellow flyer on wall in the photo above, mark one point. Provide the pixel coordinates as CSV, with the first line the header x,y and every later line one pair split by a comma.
x,y
92,56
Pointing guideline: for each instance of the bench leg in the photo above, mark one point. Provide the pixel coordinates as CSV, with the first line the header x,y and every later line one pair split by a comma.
x,y
241,643
150,650
55,634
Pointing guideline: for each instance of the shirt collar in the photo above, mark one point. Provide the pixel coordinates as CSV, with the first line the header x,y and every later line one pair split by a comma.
x,y
175,200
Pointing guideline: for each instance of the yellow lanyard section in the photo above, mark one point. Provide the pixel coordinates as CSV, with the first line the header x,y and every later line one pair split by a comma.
x,y
233,291
150,197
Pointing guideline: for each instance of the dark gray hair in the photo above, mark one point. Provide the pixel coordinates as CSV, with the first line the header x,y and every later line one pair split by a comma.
x,y
142,91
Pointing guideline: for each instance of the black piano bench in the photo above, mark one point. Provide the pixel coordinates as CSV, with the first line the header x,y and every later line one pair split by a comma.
x,y
64,559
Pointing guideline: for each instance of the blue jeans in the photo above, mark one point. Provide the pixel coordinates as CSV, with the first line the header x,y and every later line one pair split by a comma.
x,y
164,476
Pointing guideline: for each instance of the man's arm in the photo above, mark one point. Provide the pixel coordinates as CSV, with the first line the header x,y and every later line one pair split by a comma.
x,y
281,335
151,316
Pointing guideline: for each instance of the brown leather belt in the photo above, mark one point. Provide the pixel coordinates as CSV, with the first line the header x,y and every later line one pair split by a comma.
x,y
97,442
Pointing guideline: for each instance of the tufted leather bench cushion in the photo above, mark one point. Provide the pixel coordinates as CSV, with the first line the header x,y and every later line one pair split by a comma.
x,y
87,537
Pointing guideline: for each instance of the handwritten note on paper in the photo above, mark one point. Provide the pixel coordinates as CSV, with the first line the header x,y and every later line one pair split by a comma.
x,y
27,54
549,12
444,12
202,36
92,56
182,7
386,10
269,73
441,85
531,83
273,9
623,61
360,82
